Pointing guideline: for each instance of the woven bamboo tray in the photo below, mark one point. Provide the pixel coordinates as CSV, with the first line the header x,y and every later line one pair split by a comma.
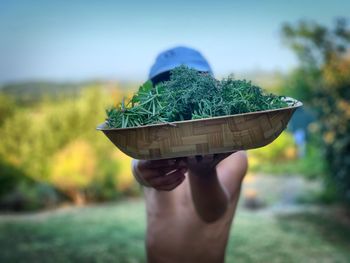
x,y
203,136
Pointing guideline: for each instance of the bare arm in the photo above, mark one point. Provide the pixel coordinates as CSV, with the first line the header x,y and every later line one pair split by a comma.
x,y
209,197
231,172
214,182
212,187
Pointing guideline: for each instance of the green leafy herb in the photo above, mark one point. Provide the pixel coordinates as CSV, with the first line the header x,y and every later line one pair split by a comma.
x,y
188,95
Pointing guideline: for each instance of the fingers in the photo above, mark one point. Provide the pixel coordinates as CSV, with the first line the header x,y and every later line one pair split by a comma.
x,y
148,174
152,164
213,159
191,160
170,186
166,179
163,166
166,174
219,157
168,182
200,159
160,174
145,164
178,166
181,161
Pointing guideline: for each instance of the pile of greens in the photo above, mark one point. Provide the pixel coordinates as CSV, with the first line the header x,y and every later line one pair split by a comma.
x,y
190,94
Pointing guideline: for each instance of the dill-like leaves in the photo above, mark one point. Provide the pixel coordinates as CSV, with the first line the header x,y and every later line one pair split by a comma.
x,y
190,94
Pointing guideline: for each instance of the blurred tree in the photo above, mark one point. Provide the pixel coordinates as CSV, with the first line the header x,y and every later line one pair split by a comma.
x,y
73,170
282,149
7,107
10,177
322,81
63,131
20,192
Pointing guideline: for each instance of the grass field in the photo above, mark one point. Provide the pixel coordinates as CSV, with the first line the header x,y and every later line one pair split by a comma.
x,y
115,233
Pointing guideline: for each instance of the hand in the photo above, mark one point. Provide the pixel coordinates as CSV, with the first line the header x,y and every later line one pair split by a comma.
x,y
163,175
204,165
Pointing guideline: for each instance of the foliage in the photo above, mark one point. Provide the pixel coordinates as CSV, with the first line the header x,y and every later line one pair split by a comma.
x,y
144,108
190,94
19,192
310,166
282,149
322,80
281,158
10,177
54,144
73,169
7,107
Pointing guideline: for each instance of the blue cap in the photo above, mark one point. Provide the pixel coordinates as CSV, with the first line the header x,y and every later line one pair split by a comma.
x,y
174,57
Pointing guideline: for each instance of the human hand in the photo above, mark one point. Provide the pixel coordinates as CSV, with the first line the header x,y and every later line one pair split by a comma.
x,y
206,164
164,175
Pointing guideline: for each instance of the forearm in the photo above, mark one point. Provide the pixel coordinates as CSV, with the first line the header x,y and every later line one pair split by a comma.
x,y
209,197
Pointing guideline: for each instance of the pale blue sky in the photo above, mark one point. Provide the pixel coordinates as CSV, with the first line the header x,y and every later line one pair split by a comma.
x,y
78,40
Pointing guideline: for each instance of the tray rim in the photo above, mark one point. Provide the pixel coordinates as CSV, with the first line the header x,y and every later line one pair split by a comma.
x,y
102,126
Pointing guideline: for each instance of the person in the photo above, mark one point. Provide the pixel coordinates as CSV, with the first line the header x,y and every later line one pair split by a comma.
x,y
190,201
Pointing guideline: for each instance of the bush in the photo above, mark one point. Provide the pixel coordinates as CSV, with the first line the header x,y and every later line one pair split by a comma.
x,y
54,145
7,107
19,192
282,149
73,169
322,81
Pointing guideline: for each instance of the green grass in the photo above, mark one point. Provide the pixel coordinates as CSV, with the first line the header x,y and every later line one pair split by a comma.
x,y
301,167
115,233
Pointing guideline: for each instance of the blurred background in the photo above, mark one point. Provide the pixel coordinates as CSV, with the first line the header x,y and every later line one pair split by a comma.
x,y
67,194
